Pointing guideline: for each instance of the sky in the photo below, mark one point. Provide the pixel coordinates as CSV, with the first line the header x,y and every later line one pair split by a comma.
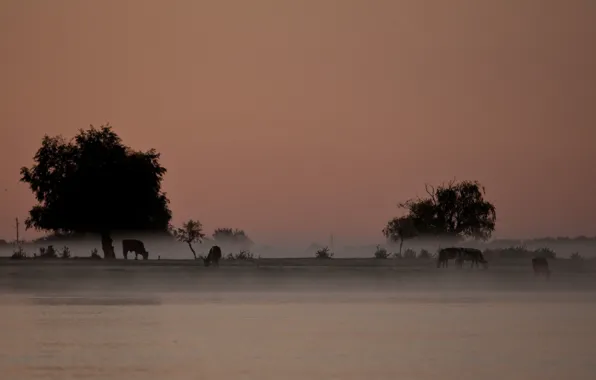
x,y
297,119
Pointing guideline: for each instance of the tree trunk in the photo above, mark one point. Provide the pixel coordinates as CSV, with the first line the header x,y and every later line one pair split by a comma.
x,y
107,247
192,249
401,244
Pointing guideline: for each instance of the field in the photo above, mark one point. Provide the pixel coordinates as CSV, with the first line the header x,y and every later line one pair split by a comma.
x,y
289,274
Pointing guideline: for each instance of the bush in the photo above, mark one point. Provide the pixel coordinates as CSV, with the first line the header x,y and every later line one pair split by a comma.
x,y
95,255
47,253
18,254
576,256
242,255
425,255
381,253
409,254
65,253
324,253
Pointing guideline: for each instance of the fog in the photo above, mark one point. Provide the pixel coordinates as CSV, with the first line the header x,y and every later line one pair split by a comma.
x,y
168,248
296,319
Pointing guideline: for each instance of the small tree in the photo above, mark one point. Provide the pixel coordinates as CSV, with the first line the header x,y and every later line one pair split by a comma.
x,y
191,232
400,229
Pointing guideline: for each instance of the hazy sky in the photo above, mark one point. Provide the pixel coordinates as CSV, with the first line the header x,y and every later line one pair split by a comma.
x,y
295,119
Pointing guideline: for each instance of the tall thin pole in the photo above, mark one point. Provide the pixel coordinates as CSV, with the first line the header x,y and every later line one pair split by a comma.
x,y
17,227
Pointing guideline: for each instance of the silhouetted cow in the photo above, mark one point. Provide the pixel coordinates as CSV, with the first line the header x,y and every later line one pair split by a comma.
x,y
471,254
136,246
213,256
540,266
447,254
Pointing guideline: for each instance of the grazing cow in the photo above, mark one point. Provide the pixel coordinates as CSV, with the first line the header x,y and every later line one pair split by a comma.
x,y
213,256
472,254
447,254
540,266
136,246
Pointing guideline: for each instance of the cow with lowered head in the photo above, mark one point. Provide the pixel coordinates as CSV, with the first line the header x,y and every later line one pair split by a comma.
x,y
136,246
213,256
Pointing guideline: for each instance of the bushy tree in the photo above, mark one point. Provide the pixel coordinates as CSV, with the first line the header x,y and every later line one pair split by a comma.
x,y
400,229
96,184
454,210
190,232
232,238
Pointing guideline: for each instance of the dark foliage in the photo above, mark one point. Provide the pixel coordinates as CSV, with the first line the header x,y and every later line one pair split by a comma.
x,y
455,210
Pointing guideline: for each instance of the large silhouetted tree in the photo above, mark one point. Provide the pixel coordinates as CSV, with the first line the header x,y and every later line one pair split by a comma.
x,y
96,184
454,210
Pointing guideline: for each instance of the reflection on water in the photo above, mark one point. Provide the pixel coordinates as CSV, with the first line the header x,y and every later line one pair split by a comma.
x,y
291,335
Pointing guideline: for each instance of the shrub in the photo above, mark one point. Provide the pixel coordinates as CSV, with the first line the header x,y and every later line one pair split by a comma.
x,y
576,256
95,255
381,253
242,255
47,253
546,253
425,255
409,254
18,254
324,253
65,253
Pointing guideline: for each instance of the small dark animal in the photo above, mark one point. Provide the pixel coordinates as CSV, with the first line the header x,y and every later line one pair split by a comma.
x,y
213,256
540,266
447,254
471,254
136,246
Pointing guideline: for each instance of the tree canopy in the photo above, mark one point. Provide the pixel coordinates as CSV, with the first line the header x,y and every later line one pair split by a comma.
x,y
454,210
96,184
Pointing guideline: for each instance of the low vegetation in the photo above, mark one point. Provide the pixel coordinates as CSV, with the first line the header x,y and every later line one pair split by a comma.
x,y
381,253
324,253
242,255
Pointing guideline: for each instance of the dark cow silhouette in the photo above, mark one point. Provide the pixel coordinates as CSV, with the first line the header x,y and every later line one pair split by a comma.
x,y
213,256
540,266
445,255
471,254
136,246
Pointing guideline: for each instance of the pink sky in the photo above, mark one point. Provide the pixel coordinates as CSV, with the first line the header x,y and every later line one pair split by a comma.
x,y
295,119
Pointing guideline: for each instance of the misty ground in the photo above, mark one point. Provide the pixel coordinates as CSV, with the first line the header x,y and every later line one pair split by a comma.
x,y
288,275
296,319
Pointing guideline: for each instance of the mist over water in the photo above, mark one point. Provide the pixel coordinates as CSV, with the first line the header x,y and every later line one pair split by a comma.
x,y
296,319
